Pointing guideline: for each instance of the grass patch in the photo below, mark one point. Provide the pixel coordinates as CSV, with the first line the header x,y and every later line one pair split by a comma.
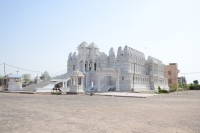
x,y
56,93
162,91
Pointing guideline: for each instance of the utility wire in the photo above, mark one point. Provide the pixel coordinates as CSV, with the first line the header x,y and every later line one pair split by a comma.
x,y
24,69
32,70
190,73
58,72
66,70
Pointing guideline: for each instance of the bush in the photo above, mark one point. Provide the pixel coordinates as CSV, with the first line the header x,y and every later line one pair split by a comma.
x,y
173,86
159,89
172,89
184,86
164,91
194,87
56,93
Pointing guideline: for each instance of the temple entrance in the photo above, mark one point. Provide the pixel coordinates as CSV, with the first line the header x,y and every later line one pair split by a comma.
x,y
108,83
108,79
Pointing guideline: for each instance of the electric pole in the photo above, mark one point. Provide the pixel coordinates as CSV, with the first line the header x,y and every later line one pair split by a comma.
x,y
4,76
4,69
17,72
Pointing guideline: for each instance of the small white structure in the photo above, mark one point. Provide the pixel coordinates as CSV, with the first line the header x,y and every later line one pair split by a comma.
x,y
13,82
76,82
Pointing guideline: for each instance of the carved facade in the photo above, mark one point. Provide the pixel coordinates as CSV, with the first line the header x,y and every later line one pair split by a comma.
x,y
129,70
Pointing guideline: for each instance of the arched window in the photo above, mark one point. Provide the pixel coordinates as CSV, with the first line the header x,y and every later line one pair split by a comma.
x,y
73,67
95,66
79,81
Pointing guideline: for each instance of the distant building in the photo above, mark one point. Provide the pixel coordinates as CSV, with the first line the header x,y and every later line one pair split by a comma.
x,y
12,82
171,72
182,80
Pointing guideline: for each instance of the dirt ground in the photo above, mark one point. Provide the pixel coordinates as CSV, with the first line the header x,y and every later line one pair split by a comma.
x,y
36,113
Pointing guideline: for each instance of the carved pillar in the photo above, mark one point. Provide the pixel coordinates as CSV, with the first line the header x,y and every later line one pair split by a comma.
x,y
135,68
81,80
78,65
92,65
117,84
86,80
98,84
83,66
74,79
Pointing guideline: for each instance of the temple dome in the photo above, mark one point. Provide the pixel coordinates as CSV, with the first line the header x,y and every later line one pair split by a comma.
x,y
111,52
103,55
74,56
93,45
76,73
83,44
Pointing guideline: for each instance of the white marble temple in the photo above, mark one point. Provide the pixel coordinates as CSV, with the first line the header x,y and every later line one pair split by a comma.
x,y
127,70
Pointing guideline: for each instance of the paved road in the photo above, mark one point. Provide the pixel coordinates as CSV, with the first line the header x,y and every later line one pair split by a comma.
x,y
36,113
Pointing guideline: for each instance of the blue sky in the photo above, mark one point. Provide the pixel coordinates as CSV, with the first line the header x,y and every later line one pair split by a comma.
x,y
39,35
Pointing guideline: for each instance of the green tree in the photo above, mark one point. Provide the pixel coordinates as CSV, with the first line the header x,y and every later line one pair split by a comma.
x,y
195,85
180,85
26,77
196,82
1,80
42,77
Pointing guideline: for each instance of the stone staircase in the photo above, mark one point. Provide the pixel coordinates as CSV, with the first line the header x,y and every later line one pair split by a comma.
x,y
89,87
105,88
47,83
41,84
108,88
62,76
